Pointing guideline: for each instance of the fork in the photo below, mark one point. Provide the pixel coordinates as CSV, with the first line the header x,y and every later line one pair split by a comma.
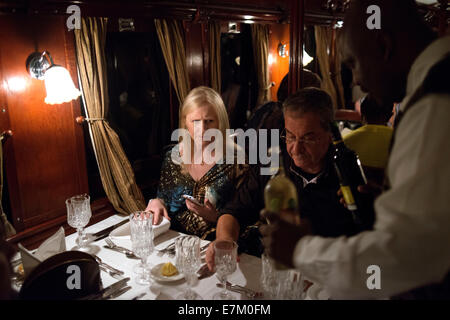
x,y
170,249
113,246
107,266
113,274
240,289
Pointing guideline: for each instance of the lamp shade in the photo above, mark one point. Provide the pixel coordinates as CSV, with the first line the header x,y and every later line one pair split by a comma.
x,y
59,86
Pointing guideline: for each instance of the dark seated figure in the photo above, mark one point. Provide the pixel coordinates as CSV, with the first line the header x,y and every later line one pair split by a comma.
x,y
308,163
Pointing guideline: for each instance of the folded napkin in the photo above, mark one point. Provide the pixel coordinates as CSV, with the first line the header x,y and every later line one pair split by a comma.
x,y
53,245
124,230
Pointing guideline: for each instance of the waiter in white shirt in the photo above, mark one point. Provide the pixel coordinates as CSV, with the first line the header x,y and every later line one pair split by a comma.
x,y
407,253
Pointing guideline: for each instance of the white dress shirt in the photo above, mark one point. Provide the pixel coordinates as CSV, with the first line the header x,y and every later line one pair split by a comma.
x,y
411,237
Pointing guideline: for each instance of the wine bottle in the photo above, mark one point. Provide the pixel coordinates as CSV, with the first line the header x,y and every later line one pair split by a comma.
x,y
350,173
280,194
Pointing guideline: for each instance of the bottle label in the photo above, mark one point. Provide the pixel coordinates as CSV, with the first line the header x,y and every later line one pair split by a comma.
x,y
348,197
292,204
275,205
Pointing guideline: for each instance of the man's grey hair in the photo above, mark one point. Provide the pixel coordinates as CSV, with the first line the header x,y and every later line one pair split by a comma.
x,y
311,100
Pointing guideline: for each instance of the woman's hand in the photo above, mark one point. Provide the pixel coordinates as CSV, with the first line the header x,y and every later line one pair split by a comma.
x,y
159,210
207,211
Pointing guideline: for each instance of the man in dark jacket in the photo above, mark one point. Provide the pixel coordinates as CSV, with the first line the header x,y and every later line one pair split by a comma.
x,y
308,163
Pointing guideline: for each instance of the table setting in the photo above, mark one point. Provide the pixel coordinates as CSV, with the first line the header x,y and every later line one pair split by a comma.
x,y
141,261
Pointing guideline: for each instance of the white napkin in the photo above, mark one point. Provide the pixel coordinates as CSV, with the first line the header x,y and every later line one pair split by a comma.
x,y
53,245
124,230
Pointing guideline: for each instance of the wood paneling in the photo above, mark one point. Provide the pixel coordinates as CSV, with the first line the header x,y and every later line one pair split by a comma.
x,y
197,54
278,66
296,44
34,236
45,159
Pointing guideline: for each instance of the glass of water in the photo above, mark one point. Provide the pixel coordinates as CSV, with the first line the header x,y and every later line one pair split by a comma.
x,y
188,261
141,227
225,258
78,216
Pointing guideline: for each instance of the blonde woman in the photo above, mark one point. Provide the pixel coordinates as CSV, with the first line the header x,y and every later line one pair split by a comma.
x,y
202,109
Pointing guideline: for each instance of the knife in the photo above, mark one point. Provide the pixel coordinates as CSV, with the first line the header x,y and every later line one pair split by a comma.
x,y
105,292
105,232
117,293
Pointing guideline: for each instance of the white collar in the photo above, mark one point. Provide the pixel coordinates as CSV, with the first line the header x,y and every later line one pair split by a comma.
x,y
306,181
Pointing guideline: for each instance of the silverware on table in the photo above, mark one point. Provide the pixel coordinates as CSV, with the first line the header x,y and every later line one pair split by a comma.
x,y
240,289
107,266
128,255
92,237
108,291
113,274
117,293
169,249
139,296
111,245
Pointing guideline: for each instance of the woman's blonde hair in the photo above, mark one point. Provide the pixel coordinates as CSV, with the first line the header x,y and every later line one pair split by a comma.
x,y
204,96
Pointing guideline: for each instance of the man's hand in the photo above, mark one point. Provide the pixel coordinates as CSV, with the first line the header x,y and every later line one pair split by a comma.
x,y
371,188
281,237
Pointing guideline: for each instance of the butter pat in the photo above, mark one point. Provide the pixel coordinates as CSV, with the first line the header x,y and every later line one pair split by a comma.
x,y
168,270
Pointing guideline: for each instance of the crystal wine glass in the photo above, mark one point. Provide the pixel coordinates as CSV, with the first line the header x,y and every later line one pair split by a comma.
x,y
78,216
225,256
188,261
142,242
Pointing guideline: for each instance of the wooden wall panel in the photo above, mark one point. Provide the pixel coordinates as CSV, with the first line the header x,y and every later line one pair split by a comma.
x,y
44,160
197,54
278,66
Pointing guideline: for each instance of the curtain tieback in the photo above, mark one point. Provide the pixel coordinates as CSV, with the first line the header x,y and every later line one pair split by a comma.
x,y
94,119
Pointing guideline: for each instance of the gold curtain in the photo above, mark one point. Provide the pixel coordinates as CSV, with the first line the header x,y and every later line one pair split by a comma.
x,y
172,45
115,170
331,70
260,41
9,229
214,56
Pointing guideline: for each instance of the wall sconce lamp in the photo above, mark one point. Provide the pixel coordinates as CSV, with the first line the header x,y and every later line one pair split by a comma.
x,y
58,83
282,51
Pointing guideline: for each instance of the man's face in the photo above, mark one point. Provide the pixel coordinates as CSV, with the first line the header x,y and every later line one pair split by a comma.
x,y
307,141
374,67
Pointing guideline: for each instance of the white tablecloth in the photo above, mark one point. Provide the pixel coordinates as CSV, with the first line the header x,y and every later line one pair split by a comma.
x,y
247,273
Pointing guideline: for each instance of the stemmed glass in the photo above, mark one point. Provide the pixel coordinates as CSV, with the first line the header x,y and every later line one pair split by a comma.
x,y
225,256
188,261
142,242
78,216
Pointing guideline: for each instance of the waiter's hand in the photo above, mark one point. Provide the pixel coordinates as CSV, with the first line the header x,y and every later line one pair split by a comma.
x,y
280,237
371,188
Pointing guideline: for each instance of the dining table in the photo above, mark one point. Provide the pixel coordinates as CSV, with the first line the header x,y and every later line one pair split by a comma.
x,y
247,273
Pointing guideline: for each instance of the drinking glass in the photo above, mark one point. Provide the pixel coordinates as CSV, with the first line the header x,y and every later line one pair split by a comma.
x,y
286,284
142,242
225,256
78,216
188,261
